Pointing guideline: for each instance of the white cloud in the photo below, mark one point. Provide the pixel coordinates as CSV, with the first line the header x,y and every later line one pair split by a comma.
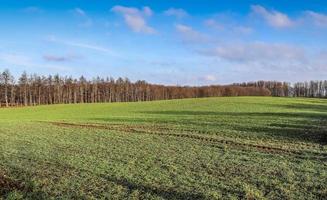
x,y
214,24
239,29
269,60
147,11
265,57
280,20
189,34
272,17
317,18
256,51
138,24
209,78
176,12
126,10
135,18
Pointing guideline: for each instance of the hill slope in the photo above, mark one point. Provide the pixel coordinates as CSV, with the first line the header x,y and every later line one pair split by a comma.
x,y
211,148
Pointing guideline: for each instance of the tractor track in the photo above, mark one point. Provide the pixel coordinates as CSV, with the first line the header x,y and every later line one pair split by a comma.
x,y
156,131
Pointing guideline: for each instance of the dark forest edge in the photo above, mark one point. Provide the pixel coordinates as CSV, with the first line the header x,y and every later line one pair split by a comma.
x,y
30,90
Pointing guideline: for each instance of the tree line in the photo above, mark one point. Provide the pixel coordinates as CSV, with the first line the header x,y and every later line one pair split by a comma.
x,y
33,89
313,89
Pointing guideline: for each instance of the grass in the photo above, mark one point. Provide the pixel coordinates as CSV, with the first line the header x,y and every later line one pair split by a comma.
x,y
211,148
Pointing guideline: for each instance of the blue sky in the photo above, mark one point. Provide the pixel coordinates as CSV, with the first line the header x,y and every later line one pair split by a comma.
x,y
181,42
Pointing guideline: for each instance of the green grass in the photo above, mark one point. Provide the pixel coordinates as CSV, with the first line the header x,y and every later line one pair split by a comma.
x,y
211,148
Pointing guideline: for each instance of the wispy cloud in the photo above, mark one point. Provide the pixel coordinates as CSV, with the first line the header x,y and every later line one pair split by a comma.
x,y
135,18
188,34
147,11
79,11
214,24
83,45
267,57
272,17
281,20
63,58
318,19
86,20
256,51
208,78
238,29
176,12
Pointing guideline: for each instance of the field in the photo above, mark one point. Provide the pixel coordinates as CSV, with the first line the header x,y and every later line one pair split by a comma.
x,y
211,148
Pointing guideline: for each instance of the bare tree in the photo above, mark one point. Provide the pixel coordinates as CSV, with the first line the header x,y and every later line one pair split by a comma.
x,y
6,80
36,90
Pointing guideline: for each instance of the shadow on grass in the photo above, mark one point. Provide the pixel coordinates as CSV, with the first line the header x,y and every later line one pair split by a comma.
x,y
242,114
309,124
315,107
301,126
292,132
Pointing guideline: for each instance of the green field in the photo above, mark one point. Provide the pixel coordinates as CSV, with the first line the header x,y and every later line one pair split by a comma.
x,y
211,148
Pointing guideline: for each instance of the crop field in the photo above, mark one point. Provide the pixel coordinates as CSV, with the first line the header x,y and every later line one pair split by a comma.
x,y
210,148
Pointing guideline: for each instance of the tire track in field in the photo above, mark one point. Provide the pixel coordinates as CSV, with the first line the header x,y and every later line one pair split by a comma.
x,y
154,131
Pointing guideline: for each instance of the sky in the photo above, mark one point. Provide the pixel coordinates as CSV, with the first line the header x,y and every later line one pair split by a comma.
x,y
172,42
